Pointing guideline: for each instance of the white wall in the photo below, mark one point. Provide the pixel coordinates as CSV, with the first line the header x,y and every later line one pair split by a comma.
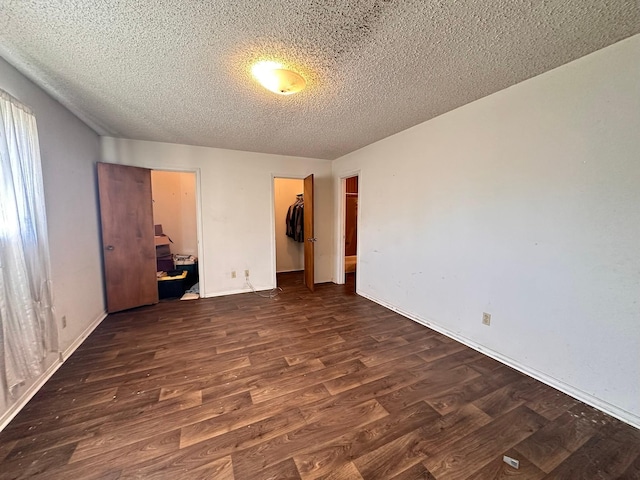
x,y
69,150
526,205
174,207
236,195
289,253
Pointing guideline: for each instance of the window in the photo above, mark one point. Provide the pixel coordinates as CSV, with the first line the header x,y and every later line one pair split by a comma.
x,y
27,324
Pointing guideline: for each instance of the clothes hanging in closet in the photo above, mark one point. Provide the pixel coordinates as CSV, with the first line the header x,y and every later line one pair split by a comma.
x,y
295,220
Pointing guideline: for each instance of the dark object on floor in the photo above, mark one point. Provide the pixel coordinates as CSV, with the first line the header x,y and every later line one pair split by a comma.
x,y
172,287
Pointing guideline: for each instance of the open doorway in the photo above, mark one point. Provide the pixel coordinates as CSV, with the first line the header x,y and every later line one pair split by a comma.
x,y
288,201
351,230
175,219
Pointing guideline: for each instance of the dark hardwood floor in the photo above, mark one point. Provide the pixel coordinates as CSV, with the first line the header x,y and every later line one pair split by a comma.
x,y
326,385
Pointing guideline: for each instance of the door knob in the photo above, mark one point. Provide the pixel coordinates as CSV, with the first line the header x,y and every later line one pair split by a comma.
x,y
109,247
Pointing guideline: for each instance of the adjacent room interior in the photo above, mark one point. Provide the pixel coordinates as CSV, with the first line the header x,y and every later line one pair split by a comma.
x,y
471,309
176,233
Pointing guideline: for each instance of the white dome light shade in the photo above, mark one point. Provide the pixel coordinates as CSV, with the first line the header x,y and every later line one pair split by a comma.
x,y
277,79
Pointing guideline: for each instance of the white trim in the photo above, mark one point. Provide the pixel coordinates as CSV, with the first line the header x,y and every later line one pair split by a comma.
x,y
570,390
14,409
83,336
200,232
274,250
236,291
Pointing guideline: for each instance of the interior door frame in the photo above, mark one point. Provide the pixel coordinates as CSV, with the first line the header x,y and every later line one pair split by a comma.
x,y
199,229
274,273
342,209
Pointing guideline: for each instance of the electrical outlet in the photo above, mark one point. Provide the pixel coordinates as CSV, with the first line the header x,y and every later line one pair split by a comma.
x,y
64,321
486,318
246,273
233,274
511,461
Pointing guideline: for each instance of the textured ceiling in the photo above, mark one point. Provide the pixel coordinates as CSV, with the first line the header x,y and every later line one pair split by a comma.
x,y
179,71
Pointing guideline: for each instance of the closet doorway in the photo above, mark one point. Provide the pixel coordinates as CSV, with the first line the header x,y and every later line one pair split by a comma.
x,y
350,229
293,230
175,216
288,197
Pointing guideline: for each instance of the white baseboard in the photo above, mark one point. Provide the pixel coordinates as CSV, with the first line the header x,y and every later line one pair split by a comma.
x,y
235,291
83,336
226,292
28,394
570,390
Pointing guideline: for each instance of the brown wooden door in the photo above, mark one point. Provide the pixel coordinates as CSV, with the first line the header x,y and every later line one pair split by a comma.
x,y
351,225
309,239
351,217
128,243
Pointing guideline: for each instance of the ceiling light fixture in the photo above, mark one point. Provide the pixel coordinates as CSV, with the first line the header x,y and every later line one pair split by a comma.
x,y
274,77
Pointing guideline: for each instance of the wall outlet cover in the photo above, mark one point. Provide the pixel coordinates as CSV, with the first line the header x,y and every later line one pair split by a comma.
x,y
511,461
486,318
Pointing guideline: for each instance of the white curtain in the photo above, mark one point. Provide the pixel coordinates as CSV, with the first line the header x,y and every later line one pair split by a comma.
x,y
27,324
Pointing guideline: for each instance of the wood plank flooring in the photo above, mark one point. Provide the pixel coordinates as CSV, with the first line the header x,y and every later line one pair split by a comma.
x,y
305,386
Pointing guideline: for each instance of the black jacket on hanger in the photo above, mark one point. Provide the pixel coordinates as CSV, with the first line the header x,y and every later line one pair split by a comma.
x,y
295,220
